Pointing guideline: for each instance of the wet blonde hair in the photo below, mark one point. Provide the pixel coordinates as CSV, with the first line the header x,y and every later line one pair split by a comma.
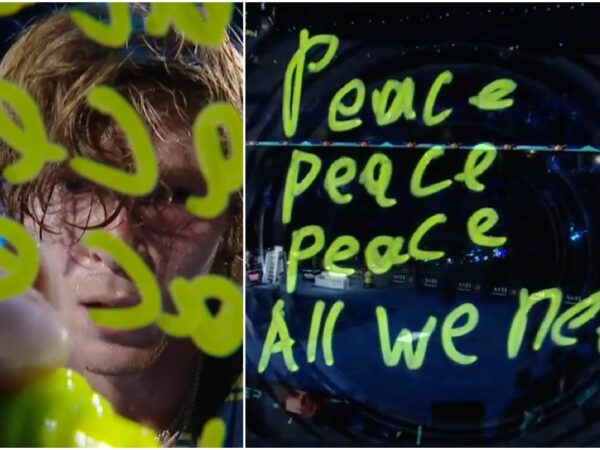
x,y
57,64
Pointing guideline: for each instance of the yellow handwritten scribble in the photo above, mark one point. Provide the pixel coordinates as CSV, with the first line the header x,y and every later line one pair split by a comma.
x,y
492,96
142,182
379,263
449,332
223,175
340,173
213,434
297,253
218,334
428,117
278,329
377,185
575,317
519,323
294,187
328,328
391,351
480,222
344,247
137,316
313,332
21,266
294,74
207,27
416,187
338,107
26,135
10,8
401,104
413,245
479,159
114,34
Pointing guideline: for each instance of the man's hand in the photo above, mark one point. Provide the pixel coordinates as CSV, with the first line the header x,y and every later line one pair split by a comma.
x,y
33,341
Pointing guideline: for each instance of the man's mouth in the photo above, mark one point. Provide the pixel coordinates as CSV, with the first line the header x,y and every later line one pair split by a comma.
x,y
116,302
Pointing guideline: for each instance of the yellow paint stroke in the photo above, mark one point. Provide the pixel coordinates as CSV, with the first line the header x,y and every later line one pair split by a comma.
x,y
450,331
294,74
25,134
278,329
416,187
377,185
297,253
218,334
338,107
480,158
114,34
143,181
480,222
340,173
223,174
132,317
293,186
342,248
206,27
391,351
213,434
519,323
492,97
428,117
413,245
328,329
402,94
22,265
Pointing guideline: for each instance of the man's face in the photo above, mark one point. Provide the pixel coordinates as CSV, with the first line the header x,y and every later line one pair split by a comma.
x,y
169,239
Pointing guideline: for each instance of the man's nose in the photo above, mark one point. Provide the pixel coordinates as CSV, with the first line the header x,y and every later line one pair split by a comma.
x,y
122,227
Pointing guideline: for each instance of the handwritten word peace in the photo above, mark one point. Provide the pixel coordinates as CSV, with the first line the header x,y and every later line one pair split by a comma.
x,y
375,178
394,100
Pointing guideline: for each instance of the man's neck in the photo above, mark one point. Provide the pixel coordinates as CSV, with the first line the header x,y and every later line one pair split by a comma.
x,y
156,396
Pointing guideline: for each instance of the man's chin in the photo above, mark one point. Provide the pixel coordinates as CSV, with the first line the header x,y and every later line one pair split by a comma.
x,y
113,359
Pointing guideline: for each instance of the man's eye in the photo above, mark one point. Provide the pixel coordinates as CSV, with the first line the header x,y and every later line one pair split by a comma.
x,y
74,186
180,195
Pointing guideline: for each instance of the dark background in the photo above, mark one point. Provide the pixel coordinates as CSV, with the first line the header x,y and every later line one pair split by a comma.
x,y
544,185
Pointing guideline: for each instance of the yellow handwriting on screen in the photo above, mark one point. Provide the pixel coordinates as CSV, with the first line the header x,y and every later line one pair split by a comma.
x,y
492,96
337,106
223,174
294,75
114,34
22,265
213,434
392,350
10,8
132,264
207,27
428,117
217,334
27,135
108,101
554,323
402,101
278,330
449,332
293,185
